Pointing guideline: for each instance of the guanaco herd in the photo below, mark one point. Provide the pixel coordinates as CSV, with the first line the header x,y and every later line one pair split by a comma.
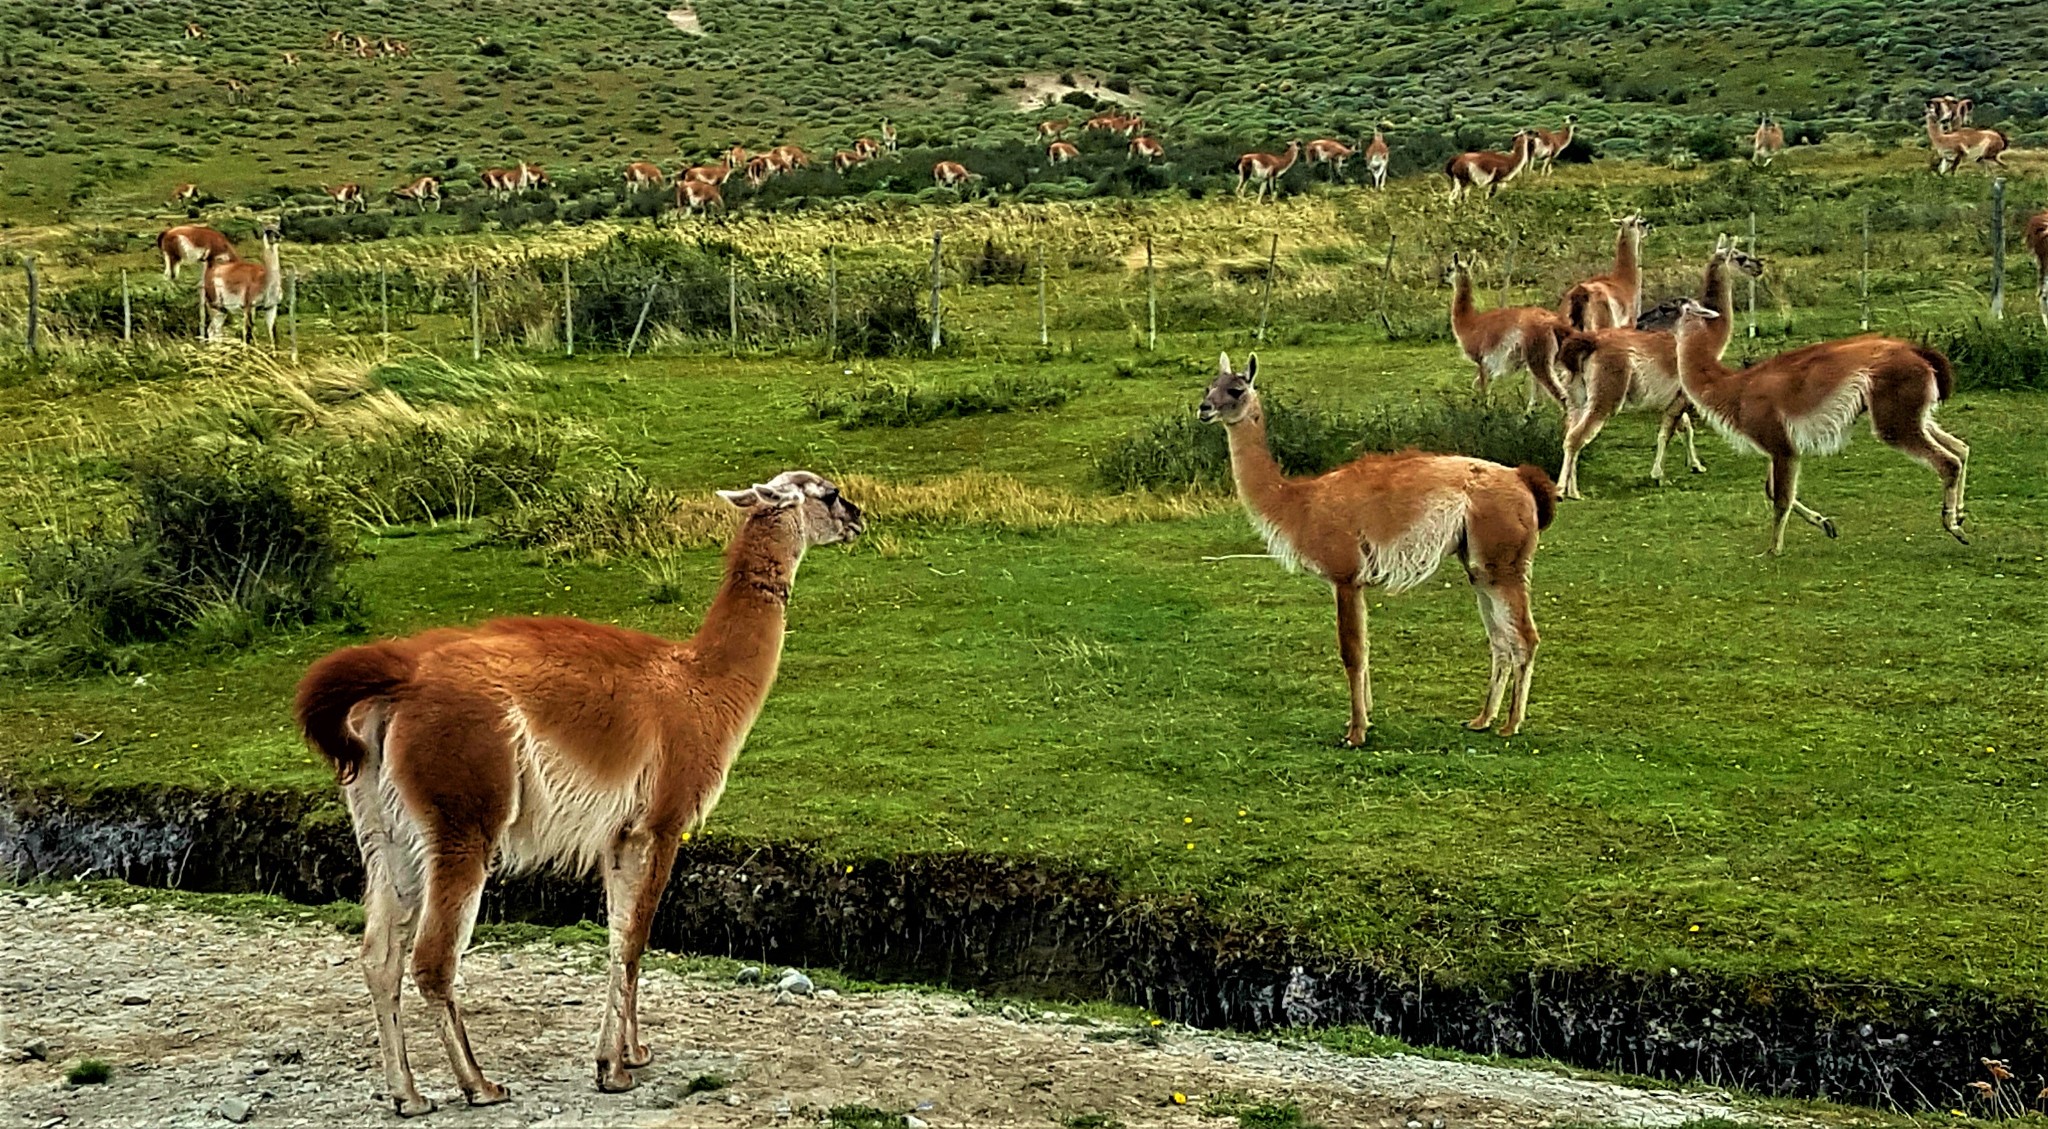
x,y
553,742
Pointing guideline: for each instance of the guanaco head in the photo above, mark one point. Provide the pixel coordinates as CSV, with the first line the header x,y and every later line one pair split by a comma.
x,y
1692,315
821,515
1230,395
1634,220
1728,251
272,233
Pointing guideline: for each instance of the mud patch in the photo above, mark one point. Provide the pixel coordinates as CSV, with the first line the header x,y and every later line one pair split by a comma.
x,y
1045,931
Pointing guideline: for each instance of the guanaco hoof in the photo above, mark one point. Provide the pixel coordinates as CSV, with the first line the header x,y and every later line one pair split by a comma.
x,y
639,1056
614,1079
491,1094
1827,526
414,1107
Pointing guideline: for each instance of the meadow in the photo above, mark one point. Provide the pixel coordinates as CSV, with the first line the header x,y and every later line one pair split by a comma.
x,y
1818,769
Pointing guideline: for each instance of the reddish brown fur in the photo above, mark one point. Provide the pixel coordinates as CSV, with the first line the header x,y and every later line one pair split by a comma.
x,y
1390,520
699,196
1501,341
708,174
1953,147
1147,147
1613,299
1766,142
2036,235
235,286
346,196
1489,169
643,174
1266,169
1325,151
1377,157
529,742
1546,144
952,174
420,191
1052,128
1060,152
189,243
1807,399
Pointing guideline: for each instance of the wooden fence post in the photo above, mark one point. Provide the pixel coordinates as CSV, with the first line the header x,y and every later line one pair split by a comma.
x,y
1863,279
291,311
384,307
1507,278
645,305
28,263
937,275
1266,287
732,306
831,301
202,301
476,316
127,311
1752,278
568,313
1044,338
1151,301
1998,247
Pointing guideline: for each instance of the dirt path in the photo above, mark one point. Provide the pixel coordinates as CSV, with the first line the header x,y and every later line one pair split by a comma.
x,y
197,1014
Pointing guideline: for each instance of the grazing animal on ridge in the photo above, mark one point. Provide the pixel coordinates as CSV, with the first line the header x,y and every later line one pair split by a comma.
x,y
1324,151
643,174
1500,341
1633,368
1052,129
184,194
1806,400
952,174
693,196
526,743
1147,148
1060,152
1388,521
1612,300
420,191
346,197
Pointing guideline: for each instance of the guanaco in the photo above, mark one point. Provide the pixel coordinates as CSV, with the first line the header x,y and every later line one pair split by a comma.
x,y
1266,169
952,174
643,174
1487,169
1612,300
1500,341
1633,368
1060,152
233,286
694,196
526,743
1326,151
1806,400
1547,144
1388,521
1766,142
1376,156
193,243
2037,242
1953,147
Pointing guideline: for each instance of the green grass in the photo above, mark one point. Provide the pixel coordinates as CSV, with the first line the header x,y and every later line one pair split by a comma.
x,y
89,1072
1819,767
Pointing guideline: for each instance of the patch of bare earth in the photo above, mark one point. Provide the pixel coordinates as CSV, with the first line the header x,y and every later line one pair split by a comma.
x,y
686,21
198,1015
1041,91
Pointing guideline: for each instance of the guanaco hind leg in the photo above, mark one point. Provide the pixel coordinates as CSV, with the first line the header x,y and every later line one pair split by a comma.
x,y
636,872
1354,644
391,908
455,884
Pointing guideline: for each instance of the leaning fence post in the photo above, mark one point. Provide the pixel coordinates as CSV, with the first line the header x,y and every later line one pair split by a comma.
x,y
28,263
1507,278
1266,286
1151,300
1863,279
1998,247
645,305
732,306
291,312
476,317
1044,338
568,312
936,278
384,307
1752,278
831,302
127,311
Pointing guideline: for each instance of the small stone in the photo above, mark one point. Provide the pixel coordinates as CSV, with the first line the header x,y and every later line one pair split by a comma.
x,y
1412,1124
783,1109
1013,1013
796,982
134,998
236,1110
748,975
913,1121
784,998
732,1099
37,1049
336,960
506,962
827,994
260,1068
572,1001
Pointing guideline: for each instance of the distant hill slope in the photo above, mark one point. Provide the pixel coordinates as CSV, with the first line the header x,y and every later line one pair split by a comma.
x,y
104,97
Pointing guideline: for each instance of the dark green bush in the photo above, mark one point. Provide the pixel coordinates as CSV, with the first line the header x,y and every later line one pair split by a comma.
x,y
1995,356
1180,450
887,403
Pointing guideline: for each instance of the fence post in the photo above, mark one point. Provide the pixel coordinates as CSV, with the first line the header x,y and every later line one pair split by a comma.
x,y
645,305
28,263
291,311
831,301
384,307
1752,278
202,301
1998,247
1507,278
476,316
127,311
1266,287
1863,280
732,306
1044,338
937,276
568,312
1151,301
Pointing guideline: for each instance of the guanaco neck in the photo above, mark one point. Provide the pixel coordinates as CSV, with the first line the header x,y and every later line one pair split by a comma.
x,y
1718,292
1524,145
1259,481
741,637
1287,159
1628,253
1713,385
1462,308
1935,135
273,275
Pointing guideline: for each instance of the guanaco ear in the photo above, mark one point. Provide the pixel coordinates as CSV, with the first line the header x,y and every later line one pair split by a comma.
x,y
1223,364
764,495
1251,369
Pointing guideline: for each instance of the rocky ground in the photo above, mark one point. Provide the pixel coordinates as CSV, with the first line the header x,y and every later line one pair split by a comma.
x,y
206,1020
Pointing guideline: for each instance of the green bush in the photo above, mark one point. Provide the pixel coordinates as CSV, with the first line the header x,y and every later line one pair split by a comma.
x,y
231,544
1995,356
888,403
437,471
1180,451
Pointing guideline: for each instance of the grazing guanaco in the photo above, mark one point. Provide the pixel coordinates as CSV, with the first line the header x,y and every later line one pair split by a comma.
x,y
337,40
238,91
708,174
888,135
1147,148
2037,242
194,31
1388,521
952,174
527,743
693,196
1805,401
1953,147
184,194
737,157
1547,144
1266,169
643,174
1500,341
789,158
236,287
290,58
1612,300
759,170
1108,121
844,159
1636,369
1324,151
193,243
1766,142
346,197
1487,169
1060,152
1052,129
1376,157
868,148
420,191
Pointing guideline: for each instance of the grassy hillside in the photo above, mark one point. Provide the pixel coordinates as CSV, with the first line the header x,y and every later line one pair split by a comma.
x,y
104,103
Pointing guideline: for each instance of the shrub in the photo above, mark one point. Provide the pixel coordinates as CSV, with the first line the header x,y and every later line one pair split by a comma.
x,y
1181,451
2009,355
888,403
213,543
92,307
617,515
435,470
